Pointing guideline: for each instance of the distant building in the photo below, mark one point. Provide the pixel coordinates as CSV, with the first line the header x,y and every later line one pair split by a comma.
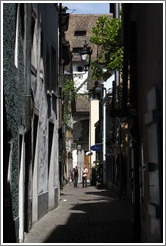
x,y
79,30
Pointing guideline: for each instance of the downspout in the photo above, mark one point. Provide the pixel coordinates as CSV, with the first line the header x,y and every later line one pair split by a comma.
x,y
104,138
126,14
61,129
60,65
27,64
116,71
117,10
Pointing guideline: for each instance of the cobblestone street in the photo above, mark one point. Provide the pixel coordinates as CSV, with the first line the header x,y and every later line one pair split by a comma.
x,y
85,215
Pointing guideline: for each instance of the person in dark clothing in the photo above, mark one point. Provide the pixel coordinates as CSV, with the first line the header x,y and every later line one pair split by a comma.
x,y
76,177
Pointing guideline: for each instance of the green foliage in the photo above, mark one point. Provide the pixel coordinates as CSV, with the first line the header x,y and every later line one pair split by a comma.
x,y
69,95
107,35
68,90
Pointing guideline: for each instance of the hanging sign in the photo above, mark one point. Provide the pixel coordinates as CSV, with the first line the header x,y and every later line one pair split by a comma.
x,y
96,147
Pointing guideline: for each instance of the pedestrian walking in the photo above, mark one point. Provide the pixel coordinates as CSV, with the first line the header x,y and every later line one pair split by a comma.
x,y
72,175
76,177
84,176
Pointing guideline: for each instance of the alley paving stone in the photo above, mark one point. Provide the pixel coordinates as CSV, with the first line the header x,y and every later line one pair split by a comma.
x,y
85,215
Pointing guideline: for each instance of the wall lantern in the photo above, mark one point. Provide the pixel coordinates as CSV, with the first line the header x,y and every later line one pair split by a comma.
x,y
86,56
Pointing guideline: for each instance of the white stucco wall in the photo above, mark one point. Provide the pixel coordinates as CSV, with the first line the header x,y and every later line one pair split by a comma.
x,y
94,117
74,158
43,144
80,78
108,84
46,156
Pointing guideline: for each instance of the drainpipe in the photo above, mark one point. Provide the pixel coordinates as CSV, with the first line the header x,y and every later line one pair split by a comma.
x,y
116,10
117,17
27,63
61,127
104,138
60,64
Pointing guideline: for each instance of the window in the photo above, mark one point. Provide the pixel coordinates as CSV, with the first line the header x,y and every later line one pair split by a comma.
x,y
54,104
50,143
54,82
77,50
80,33
47,71
16,38
80,69
41,56
33,43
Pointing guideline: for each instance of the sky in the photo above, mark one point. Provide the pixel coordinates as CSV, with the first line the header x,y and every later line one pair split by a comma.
x,y
87,8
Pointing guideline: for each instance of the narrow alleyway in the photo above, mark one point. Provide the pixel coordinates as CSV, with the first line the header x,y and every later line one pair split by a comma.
x,y
85,215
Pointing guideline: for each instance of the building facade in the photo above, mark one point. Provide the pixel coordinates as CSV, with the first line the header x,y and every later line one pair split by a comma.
x,y
138,154
146,48
31,115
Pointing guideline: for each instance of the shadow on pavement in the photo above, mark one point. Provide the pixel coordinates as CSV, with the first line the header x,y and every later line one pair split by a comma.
x,y
93,221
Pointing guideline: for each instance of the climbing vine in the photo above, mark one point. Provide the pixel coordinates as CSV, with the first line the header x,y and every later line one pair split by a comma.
x,y
69,95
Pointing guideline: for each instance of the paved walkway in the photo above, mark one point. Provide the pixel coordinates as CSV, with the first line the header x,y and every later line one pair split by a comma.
x,y
85,215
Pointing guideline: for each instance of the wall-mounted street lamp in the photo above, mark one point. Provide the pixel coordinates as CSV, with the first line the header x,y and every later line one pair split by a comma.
x,y
86,56
85,59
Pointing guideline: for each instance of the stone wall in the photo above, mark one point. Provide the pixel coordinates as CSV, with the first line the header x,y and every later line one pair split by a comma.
x,y
13,89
